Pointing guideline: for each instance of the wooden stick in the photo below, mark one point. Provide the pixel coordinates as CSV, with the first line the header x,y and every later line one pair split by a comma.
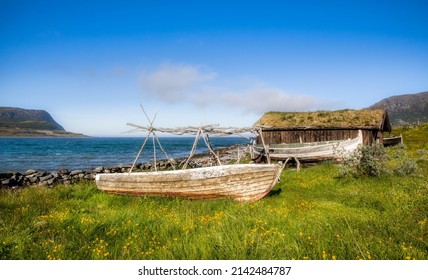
x,y
208,144
150,131
139,152
154,153
264,147
210,129
171,160
192,152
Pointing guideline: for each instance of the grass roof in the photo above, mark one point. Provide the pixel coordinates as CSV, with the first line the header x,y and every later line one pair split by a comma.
x,y
324,119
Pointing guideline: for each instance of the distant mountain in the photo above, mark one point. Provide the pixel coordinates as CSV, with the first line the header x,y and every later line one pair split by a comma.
x,y
22,122
406,108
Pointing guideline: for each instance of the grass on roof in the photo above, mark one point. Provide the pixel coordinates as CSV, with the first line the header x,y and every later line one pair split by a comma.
x,y
341,118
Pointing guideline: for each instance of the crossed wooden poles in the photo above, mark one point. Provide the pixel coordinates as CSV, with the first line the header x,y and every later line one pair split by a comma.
x,y
201,131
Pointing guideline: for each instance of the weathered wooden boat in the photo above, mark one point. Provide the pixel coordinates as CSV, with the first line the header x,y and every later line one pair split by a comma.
x,y
392,141
310,151
241,182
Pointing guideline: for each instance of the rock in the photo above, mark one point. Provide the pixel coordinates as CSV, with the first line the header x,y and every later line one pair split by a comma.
x,y
34,180
44,183
30,172
51,181
18,178
25,182
66,177
99,169
138,166
31,175
76,172
8,182
6,175
89,177
41,173
63,171
45,178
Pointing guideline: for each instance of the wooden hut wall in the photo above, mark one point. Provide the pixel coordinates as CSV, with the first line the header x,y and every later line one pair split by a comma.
x,y
316,135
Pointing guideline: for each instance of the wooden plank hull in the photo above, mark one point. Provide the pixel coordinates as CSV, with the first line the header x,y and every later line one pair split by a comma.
x,y
393,141
314,150
241,182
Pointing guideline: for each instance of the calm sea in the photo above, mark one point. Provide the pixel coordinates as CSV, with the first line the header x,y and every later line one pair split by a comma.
x,y
49,154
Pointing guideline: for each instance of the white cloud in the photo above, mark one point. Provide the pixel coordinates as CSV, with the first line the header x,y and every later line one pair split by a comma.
x,y
190,84
258,100
173,82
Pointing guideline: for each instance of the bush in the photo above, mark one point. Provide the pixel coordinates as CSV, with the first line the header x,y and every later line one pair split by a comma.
x,y
373,161
365,161
406,167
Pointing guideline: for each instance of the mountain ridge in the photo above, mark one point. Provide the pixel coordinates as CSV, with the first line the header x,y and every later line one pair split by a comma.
x,y
18,122
405,108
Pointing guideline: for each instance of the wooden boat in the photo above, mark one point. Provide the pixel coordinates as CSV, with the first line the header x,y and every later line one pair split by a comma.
x,y
241,182
311,151
392,141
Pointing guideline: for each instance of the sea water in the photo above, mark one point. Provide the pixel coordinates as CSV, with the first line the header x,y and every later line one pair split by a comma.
x,y
49,154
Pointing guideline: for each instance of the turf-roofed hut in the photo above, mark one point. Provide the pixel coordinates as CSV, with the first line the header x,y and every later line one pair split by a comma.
x,y
303,127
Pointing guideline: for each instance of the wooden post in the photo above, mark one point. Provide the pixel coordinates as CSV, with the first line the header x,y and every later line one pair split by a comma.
x,y
139,152
154,154
264,147
192,152
208,144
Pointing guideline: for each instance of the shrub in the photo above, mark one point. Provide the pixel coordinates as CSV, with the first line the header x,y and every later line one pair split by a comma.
x,y
374,161
406,167
365,161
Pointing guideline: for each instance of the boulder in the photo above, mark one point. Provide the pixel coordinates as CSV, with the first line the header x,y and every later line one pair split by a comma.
x,y
76,172
30,172
6,175
45,178
99,169
34,180
8,182
63,171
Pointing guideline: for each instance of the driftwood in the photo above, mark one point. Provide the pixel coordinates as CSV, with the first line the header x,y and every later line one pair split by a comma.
x,y
200,131
152,134
212,129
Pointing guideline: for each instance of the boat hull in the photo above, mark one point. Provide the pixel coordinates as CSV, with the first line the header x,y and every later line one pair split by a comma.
x,y
393,141
241,182
312,151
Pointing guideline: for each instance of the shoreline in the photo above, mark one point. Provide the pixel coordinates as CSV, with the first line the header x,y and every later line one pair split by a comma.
x,y
31,177
6,132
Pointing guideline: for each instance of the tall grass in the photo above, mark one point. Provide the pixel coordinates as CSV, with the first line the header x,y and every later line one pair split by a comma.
x,y
310,214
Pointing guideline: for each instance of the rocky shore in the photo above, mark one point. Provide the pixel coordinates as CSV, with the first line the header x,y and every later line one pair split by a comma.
x,y
16,180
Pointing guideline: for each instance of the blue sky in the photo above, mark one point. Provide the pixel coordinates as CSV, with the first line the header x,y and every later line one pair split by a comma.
x,y
92,63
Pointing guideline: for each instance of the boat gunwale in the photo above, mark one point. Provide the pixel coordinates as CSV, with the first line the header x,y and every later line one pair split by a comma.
x,y
215,191
255,167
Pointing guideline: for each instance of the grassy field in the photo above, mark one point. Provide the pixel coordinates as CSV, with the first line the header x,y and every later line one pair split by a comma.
x,y
311,214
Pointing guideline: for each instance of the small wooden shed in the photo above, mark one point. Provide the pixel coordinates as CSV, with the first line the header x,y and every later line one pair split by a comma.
x,y
302,127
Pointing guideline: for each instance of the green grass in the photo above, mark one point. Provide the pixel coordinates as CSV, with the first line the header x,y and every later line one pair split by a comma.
x,y
310,214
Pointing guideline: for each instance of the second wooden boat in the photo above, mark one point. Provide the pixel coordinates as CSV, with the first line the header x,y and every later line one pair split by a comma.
x,y
311,151
393,141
